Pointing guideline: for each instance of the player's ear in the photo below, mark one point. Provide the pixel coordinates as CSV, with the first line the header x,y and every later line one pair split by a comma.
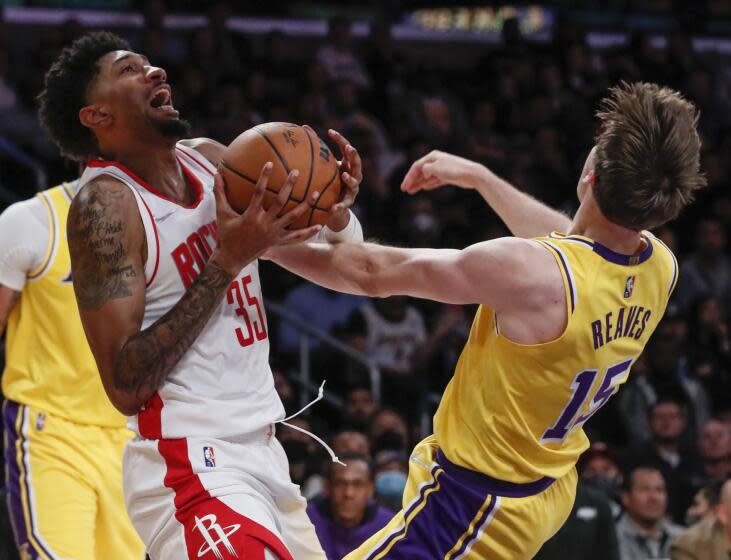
x,y
95,116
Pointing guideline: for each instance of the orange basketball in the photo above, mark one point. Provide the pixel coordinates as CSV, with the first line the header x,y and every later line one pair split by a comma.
x,y
288,146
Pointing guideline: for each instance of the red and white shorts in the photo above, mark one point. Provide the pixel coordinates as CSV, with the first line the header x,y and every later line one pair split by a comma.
x,y
201,498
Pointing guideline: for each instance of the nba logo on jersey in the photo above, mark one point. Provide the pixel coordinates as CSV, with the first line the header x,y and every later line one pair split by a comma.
x,y
208,457
40,422
629,286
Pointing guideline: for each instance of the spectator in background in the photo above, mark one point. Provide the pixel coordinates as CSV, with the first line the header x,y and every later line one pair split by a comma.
x,y
359,406
709,350
351,441
666,451
346,514
285,390
636,398
392,468
704,503
346,442
338,57
394,332
599,469
669,372
588,532
710,539
706,272
714,446
643,532
388,431
319,307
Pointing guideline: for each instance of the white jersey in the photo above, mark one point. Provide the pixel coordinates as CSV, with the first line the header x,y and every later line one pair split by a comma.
x,y
222,387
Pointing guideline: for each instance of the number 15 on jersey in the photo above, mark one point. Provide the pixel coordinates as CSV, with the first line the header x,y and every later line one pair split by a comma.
x,y
581,386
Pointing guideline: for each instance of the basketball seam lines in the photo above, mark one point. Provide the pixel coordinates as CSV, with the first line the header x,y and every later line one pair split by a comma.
x,y
281,159
232,170
316,207
312,163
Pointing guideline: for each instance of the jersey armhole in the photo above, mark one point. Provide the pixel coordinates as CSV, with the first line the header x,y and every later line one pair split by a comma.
x,y
569,283
52,240
673,261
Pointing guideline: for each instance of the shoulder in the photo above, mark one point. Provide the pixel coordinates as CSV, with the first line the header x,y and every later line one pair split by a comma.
x,y
103,208
103,191
210,149
30,209
526,266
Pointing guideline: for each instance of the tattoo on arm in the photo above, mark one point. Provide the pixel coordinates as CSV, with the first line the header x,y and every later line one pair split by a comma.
x,y
148,356
96,233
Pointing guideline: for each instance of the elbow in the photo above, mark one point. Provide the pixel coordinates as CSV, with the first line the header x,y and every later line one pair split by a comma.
x,y
371,282
124,402
125,399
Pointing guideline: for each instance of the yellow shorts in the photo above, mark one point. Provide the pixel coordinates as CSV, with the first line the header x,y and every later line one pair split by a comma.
x,y
64,483
453,513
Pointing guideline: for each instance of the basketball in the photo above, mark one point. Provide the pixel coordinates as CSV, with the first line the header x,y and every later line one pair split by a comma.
x,y
288,146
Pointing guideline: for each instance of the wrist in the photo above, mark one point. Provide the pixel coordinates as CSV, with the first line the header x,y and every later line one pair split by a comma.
x,y
339,222
478,176
225,262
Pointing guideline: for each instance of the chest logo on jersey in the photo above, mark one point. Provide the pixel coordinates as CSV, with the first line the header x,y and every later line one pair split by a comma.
x,y
190,256
629,286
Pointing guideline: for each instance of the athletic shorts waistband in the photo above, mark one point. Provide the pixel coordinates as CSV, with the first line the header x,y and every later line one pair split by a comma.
x,y
488,485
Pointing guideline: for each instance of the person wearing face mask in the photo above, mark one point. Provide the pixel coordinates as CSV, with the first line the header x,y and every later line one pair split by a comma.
x,y
346,514
391,470
710,538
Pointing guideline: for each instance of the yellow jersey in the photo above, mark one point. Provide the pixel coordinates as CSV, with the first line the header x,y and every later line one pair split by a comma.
x,y
514,411
49,365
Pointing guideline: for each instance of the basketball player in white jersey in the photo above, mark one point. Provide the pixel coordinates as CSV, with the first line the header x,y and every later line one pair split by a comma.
x,y
167,284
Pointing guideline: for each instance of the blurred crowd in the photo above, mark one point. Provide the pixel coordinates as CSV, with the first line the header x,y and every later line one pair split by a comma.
x,y
662,447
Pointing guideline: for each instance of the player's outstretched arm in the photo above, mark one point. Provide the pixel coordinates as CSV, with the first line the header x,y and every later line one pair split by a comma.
x,y
524,215
107,243
504,273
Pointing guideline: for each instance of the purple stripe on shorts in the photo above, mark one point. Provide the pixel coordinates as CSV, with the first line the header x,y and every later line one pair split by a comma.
x,y
477,527
11,410
483,484
14,481
406,514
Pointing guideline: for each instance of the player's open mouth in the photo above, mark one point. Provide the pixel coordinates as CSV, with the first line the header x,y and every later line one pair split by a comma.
x,y
162,100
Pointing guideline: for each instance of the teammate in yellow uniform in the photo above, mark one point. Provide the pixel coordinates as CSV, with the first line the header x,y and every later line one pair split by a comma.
x,y
63,438
562,318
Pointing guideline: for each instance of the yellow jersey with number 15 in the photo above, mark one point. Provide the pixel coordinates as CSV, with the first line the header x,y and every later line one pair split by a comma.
x,y
48,363
515,412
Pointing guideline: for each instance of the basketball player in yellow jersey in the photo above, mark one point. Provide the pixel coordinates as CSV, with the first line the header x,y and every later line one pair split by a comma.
x,y
562,317
63,438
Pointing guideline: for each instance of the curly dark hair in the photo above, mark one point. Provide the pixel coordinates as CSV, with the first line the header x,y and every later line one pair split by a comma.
x,y
66,86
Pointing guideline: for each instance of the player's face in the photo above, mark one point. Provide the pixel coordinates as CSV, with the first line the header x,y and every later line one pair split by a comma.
x,y
135,94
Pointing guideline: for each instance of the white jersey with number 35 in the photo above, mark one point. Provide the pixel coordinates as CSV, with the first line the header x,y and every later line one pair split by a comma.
x,y
222,386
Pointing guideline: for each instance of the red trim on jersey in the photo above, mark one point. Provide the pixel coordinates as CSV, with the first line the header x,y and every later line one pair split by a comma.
x,y
149,421
157,243
195,159
194,507
194,180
